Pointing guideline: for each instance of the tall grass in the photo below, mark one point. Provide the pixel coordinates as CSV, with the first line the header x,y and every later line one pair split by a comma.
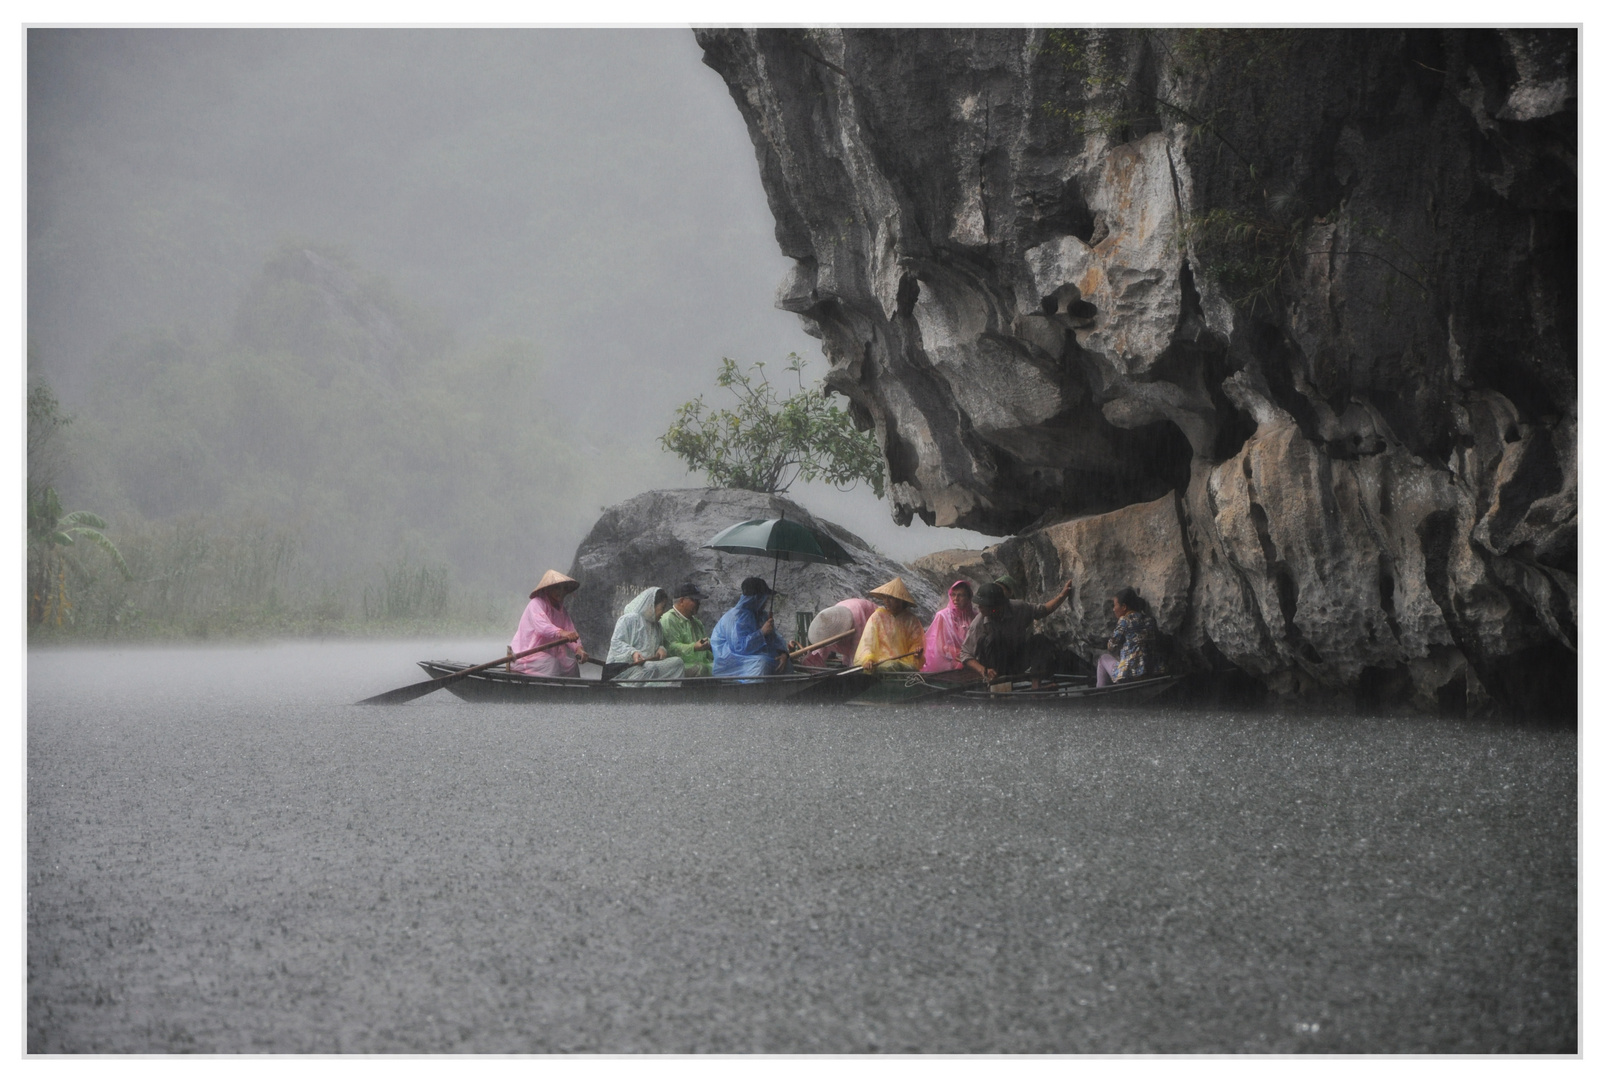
x,y
199,578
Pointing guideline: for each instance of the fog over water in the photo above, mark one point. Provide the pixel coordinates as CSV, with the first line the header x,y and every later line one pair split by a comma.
x,y
588,199
224,855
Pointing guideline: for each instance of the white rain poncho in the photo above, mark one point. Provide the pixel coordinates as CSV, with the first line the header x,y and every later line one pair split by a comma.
x,y
637,632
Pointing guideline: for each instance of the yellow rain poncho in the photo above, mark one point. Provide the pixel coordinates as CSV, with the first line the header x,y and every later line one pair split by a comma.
x,y
886,636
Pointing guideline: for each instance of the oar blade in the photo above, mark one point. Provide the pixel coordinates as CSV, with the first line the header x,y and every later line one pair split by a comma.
x,y
404,694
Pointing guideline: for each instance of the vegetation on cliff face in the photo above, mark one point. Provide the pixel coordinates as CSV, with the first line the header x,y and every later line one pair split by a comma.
x,y
767,442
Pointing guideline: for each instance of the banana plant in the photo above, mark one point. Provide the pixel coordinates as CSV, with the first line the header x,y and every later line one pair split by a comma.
x,y
51,537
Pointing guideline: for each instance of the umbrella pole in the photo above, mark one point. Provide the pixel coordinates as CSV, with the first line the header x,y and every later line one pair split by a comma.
x,y
774,576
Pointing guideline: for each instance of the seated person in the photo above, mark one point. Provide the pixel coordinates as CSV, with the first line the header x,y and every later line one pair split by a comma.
x,y
1135,630
744,641
893,639
545,620
683,633
637,652
1002,640
945,638
851,614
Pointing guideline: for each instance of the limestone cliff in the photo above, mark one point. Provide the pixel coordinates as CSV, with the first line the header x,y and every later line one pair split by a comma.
x,y
1278,325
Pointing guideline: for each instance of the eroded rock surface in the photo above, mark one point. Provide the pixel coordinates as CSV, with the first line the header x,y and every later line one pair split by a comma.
x,y
1303,300
659,537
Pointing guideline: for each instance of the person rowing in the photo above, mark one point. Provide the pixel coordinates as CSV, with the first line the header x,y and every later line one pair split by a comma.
x,y
1003,639
893,638
544,620
744,641
847,617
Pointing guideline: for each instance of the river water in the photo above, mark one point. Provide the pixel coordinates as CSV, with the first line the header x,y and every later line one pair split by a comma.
x,y
224,855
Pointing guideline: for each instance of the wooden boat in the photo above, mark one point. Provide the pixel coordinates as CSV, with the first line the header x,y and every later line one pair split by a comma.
x,y
510,686
1074,688
808,685
905,687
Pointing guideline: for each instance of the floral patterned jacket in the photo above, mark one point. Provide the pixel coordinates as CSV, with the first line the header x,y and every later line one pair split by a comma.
x,y
1135,635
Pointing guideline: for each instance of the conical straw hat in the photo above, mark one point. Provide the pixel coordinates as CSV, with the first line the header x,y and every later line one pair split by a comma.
x,y
894,589
555,580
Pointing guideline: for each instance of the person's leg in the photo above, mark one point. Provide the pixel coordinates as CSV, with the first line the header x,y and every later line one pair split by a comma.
x,y
1107,666
1041,657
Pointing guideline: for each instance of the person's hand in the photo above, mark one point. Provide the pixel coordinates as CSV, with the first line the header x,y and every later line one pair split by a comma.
x,y
869,667
636,658
702,645
580,654
662,652
768,627
991,675
1068,587
571,635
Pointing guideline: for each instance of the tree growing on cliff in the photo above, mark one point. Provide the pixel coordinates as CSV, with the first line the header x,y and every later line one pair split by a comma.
x,y
767,443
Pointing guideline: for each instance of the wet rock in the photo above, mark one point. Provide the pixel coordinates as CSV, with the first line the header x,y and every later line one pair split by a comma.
x,y
659,538
942,568
1317,289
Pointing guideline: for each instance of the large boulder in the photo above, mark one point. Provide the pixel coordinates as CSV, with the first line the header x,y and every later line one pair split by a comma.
x,y
660,538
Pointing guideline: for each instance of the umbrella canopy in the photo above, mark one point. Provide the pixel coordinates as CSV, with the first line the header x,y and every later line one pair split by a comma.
x,y
780,539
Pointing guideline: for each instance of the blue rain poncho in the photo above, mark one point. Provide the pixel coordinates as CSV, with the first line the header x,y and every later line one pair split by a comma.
x,y
738,647
637,632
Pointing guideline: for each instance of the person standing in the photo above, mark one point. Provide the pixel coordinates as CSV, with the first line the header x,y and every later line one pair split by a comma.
x,y
744,641
545,620
683,633
1003,638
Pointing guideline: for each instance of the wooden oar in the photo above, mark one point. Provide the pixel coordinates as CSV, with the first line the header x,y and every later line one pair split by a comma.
x,y
822,644
418,690
888,660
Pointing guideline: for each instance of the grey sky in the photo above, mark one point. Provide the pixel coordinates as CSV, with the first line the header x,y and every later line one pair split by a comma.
x,y
592,191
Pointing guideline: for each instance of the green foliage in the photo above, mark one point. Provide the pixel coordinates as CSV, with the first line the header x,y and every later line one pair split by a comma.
x,y
45,421
1246,254
270,481
408,592
53,538
767,443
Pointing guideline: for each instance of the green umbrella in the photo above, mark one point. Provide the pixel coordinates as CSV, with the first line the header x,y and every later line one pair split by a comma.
x,y
780,539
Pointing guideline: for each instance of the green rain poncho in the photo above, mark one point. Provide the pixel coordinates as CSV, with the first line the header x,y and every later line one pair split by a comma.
x,y
637,632
680,636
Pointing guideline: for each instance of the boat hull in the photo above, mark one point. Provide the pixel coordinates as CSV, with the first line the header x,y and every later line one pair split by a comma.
x,y
513,687
855,687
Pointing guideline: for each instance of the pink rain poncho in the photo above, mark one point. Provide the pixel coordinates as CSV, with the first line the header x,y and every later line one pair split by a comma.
x,y
945,638
830,623
545,621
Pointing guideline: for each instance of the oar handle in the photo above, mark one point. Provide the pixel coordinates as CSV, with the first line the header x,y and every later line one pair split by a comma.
x,y
889,659
822,644
499,661
849,671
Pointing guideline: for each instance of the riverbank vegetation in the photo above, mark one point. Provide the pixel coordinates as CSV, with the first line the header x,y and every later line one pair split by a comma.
x,y
337,464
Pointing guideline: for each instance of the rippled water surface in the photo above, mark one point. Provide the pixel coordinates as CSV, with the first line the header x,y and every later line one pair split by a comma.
x,y
224,855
